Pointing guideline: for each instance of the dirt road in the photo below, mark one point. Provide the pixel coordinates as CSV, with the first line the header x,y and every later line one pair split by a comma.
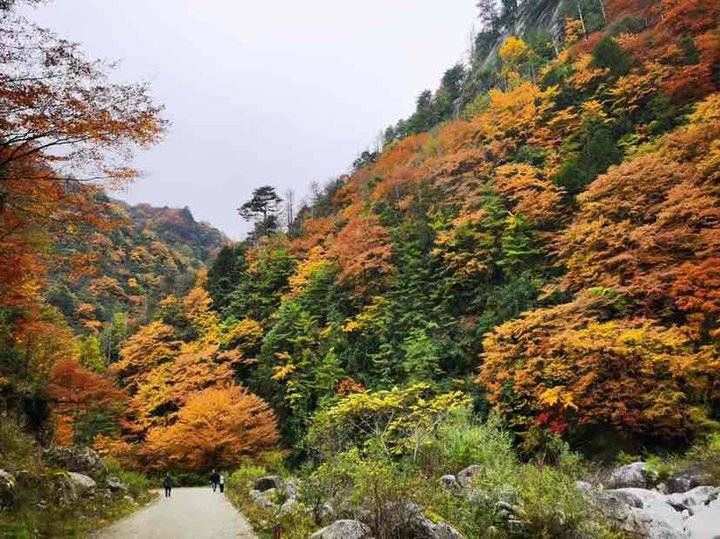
x,y
192,513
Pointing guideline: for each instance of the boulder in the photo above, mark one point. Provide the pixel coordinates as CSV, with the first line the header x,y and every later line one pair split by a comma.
x,y
426,529
656,518
343,529
268,482
693,514
450,482
81,482
694,499
115,485
635,475
584,487
406,520
464,477
705,522
290,488
61,489
289,505
263,499
77,459
7,488
687,480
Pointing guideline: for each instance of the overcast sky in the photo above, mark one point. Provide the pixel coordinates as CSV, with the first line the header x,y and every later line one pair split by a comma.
x,y
279,92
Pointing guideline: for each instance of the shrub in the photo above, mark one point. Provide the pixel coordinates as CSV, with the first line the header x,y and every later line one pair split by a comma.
x,y
137,483
17,449
273,461
551,504
462,441
244,477
295,524
373,486
401,419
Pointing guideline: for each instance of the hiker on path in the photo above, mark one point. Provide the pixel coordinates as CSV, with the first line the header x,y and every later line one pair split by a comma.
x,y
214,479
222,483
168,484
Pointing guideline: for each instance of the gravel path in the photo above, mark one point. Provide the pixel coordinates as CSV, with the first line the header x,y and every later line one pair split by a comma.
x,y
192,513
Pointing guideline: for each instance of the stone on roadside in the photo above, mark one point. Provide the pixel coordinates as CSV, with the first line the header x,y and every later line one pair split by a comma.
x,y
115,485
81,482
61,489
77,459
262,499
268,482
343,529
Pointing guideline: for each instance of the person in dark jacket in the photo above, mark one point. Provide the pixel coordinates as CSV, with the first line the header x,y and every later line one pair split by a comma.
x,y
215,480
168,484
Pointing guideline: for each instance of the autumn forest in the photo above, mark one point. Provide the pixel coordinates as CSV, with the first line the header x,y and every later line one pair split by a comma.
x,y
524,275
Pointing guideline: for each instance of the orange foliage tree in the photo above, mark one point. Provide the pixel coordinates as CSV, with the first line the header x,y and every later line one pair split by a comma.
x,y
74,391
65,130
570,367
165,362
642,221
637,349
215,429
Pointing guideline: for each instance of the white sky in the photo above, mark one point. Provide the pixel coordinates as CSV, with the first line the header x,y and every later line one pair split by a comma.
x,y
260,92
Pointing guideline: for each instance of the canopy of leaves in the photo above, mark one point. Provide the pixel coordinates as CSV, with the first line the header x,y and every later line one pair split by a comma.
x,y
217,428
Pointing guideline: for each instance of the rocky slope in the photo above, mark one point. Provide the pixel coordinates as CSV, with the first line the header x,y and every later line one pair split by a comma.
x,y
535,16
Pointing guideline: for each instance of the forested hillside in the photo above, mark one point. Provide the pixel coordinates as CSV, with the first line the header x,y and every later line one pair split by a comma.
x,y
523,284
148,254
537,244
552,251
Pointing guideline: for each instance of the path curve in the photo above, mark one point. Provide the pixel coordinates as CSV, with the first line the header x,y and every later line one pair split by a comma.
x,y
192,513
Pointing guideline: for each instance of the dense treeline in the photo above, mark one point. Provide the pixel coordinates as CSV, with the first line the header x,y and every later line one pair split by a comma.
x,y
537,244
542,244
530,253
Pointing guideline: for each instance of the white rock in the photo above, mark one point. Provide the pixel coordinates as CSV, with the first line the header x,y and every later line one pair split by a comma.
x,y
690,500
705,523
343,529
81,482
645,512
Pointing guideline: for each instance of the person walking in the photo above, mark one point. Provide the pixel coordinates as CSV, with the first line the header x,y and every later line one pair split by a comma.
x,y
222,483
214,479
168,484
